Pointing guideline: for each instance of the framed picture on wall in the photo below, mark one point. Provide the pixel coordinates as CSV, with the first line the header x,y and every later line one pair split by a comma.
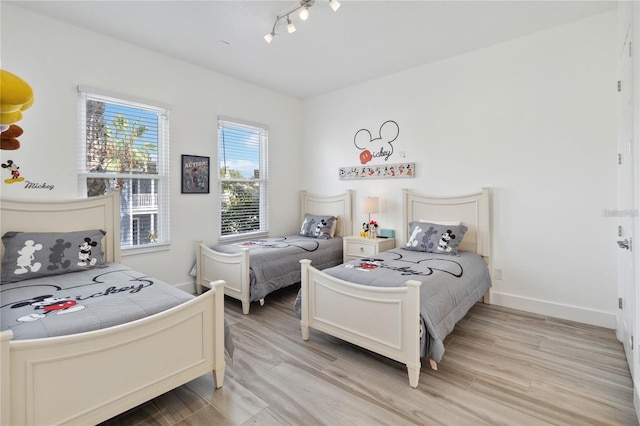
x,y
195,174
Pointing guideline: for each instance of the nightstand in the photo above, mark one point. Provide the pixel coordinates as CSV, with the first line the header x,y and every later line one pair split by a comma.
x,y
356,247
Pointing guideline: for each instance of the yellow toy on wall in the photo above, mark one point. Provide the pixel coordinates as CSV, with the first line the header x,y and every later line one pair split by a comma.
x,y
15,96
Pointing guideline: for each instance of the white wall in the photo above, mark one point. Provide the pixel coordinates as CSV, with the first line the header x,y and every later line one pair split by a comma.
x,y
54,58
533,118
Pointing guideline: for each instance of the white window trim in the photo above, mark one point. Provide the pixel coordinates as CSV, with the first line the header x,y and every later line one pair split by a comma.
x,y
164,180
264,184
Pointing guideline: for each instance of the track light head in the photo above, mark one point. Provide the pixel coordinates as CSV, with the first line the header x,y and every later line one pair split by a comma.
x,y
269,37
304,13
335,5
290,27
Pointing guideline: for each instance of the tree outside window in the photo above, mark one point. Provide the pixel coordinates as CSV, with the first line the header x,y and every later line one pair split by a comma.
x,y
125,149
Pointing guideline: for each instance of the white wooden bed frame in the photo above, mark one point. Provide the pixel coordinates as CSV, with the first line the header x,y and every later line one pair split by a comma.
x,y
234,268
87,378
387,320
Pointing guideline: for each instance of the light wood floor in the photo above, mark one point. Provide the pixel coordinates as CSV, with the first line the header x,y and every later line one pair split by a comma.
x,y
500,367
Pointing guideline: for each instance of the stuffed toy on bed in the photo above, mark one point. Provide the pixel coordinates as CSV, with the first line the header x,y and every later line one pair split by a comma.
x,y
15,96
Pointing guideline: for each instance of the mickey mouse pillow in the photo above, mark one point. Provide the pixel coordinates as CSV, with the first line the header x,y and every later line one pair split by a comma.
x,y
435,238
30,255
317,226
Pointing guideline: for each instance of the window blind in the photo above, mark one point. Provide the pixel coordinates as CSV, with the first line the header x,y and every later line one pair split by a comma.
x,y
124,144
242,176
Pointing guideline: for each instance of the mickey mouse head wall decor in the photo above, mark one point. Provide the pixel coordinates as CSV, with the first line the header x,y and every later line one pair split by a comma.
x,y
377,147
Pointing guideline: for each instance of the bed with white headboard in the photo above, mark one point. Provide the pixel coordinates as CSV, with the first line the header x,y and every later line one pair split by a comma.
x,y
385,303
89,377
242,265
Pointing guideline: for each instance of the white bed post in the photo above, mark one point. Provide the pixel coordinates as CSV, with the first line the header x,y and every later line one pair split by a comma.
x,y
304,289
198,268
218,338
245,290
5,377
412,332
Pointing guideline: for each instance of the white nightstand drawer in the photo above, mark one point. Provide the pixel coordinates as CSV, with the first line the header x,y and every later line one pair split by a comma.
x,y
359,249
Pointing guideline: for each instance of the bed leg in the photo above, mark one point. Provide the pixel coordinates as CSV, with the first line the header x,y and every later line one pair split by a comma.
x,y
218,377
414,376
245,307
305,331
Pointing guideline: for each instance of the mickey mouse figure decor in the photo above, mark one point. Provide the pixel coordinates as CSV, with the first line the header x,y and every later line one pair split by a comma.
x,y
84,255
365,230
48,305
25,262
13,169
443,244
373,229
56,257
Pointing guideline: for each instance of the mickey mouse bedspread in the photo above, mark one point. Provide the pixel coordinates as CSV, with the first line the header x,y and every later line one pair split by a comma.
x,y
83,301
275,261
451,285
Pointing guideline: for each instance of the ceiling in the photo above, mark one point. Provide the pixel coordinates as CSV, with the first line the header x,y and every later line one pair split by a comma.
x,y
363,40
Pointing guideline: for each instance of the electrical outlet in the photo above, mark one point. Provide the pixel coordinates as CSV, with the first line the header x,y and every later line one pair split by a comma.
x,y
497,273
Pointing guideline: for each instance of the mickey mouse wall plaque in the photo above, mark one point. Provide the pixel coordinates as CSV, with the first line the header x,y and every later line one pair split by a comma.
x,y
383,171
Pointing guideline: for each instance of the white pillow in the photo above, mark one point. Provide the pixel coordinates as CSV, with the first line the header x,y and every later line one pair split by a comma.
x,y
334,225
442,222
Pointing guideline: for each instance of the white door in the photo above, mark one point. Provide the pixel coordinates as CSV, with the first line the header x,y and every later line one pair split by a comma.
x,y
627,208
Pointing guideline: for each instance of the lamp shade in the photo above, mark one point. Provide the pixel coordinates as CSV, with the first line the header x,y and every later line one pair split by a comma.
x,y
370,205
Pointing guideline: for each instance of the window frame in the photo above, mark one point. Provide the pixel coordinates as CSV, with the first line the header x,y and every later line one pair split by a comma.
x,y
262,180
160,180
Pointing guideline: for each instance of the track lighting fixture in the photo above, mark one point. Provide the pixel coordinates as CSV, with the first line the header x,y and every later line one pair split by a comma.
x,y
303,8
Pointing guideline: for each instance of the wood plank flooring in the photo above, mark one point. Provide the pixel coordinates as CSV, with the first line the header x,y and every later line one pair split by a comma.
x,y
501,366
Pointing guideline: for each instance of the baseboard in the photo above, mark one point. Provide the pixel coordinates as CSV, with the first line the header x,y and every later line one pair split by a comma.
x,y
556,310
636,401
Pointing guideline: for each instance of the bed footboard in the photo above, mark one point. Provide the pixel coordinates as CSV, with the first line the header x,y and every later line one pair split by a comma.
x,y
90,377
233,269
385,320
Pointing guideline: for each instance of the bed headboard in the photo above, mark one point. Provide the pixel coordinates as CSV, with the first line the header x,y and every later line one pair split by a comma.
x,y
337,205
64,216
471,210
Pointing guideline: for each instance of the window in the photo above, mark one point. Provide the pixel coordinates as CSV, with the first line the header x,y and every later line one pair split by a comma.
x,y
124,144
242,172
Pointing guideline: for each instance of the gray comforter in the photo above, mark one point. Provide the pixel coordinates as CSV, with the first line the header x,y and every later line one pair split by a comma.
x,y
84,301
451,285
275,261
